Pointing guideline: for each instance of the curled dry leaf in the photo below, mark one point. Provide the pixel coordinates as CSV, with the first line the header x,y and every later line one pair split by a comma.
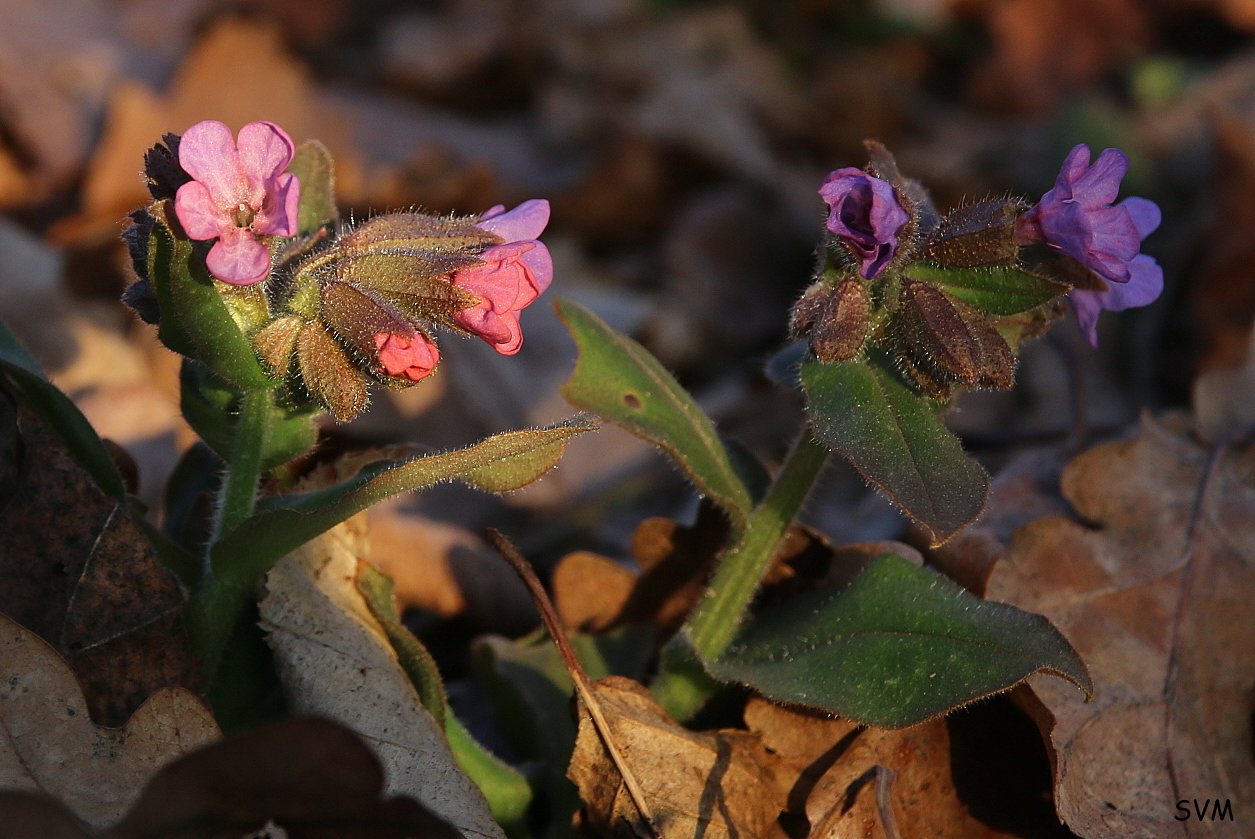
x,y
833,761
335,661
49,744
720,784
80,573
1152,586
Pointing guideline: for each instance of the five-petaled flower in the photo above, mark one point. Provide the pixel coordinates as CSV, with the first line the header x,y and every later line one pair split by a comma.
x,y
509,277
410,357
865,215
1076,218
239,191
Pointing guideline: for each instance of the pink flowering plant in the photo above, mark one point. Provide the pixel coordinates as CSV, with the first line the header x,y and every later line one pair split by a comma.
x,y
287,317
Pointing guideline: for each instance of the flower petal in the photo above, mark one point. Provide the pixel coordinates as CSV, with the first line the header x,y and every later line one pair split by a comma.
x,y
526,221
1087,306
540,264
207,153
239,259
1144,286
1145,213
199,215
280,214
265,151
1100,185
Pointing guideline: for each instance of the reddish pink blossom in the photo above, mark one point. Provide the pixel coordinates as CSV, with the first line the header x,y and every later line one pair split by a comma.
x,y
239,191
510,277
412,357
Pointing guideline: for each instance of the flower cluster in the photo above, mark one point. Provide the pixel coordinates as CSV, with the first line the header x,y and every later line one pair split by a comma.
x,y
341,305
950,298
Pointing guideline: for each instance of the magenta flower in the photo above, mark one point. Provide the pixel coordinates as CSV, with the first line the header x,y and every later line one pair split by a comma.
x,y
412,357
1076,218
510,277
239,191
865,215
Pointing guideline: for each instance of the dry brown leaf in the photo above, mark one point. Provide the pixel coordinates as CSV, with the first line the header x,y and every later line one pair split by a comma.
x,y
1153,587
590,590
721,784
1224,399
80,573
49,743
335,661
833,761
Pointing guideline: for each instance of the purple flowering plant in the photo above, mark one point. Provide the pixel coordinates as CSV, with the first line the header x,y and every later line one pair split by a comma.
x,y
287,316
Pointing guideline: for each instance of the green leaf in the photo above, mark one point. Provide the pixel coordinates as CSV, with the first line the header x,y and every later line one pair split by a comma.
x,y
507,791
62,414
195,321
285,522
893,438
902,644
315,170
997,290
618,379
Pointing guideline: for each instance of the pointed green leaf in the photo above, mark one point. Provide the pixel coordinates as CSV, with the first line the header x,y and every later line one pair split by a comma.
x,y
507,791
893,438
900,645
195,321
285,522
998,290
313,167
62,414
620,380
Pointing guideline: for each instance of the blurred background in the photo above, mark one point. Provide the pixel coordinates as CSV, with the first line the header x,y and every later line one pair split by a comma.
x,y
681,143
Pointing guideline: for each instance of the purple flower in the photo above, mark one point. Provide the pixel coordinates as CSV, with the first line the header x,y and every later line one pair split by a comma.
x,y
510,276
865,215
239,192
1076,218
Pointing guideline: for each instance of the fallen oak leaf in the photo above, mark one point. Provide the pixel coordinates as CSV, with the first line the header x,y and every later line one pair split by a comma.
x,y
642,774
313,778
50,744
335,660
1152,586
835,759
80,573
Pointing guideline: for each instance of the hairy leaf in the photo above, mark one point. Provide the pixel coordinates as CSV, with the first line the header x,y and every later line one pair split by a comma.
x,y
902,644
618,379
893,438
998,290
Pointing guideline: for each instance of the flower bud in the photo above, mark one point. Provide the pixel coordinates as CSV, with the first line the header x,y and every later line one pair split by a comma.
x,y
976,235
329,377
276,342
949,342
837,320
384,339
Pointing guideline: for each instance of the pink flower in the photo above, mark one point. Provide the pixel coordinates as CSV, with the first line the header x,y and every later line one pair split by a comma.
x,y
412,357
511,276
239,192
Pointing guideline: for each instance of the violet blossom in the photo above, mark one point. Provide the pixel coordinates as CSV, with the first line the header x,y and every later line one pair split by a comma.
x,y
1076,218
865,215
510,276
239,191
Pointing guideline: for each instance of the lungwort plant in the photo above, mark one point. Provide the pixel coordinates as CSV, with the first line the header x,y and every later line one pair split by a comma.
x,y
284,313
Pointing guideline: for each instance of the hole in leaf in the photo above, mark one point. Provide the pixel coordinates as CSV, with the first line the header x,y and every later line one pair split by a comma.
x,y
631,400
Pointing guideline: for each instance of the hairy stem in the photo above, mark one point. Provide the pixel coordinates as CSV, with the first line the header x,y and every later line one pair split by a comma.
x,y
715,621
239,486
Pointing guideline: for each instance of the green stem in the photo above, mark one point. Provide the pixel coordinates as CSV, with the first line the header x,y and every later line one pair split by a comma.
x,y
715,621
212,614
239,487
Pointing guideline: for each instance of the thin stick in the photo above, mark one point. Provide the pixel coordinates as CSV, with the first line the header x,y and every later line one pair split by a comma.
x,y
583,686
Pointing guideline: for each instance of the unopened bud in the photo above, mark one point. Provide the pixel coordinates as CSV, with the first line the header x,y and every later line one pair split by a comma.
x,y
841,330
948,339
329,376
976,235
276,342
